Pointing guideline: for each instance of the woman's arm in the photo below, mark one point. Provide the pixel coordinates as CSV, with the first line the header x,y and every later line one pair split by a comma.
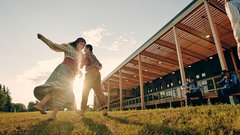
x,y
53,46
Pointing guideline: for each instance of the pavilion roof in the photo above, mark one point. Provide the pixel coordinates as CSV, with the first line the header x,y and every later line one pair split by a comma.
x,y
159,55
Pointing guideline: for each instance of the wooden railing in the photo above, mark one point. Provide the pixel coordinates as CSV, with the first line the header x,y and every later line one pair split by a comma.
x,y
175,94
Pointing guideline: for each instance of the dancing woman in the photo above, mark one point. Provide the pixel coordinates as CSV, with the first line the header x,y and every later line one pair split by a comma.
x,y
57,91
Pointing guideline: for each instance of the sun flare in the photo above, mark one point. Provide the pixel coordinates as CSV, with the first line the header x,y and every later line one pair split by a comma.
x,y
77,89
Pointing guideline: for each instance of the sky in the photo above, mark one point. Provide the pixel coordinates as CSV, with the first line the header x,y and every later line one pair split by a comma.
x,y
115,29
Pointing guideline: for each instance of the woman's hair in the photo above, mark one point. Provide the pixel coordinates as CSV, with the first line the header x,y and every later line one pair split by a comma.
x,y
74,44
90,47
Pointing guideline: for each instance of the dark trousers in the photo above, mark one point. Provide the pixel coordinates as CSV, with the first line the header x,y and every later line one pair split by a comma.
x,y
223,94
92,81
194,93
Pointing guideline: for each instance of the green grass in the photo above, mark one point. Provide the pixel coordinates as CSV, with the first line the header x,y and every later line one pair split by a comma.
x,y
218,119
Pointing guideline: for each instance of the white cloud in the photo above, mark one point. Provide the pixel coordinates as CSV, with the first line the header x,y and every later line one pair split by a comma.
x,y
22,86
101,37
94,36
123,41
39,73
114,46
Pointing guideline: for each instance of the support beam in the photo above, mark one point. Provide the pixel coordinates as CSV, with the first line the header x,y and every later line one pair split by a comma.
x,y
147,70
125,80
160,58
141,82
234,62
120,88
124,83
180,60
155,67
115,83
133,71
114,78
110,84
216,37
136,76
217,5
145,73
109,96
130,76
198,34
184,51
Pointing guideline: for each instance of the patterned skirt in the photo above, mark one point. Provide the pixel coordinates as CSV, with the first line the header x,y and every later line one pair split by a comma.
x,y
60,86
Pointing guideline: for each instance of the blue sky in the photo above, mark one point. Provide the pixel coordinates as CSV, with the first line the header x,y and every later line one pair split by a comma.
x,y
115,29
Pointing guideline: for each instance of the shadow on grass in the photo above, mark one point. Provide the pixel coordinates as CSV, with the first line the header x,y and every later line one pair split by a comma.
x,y
124,121
150,129
99,129
51,128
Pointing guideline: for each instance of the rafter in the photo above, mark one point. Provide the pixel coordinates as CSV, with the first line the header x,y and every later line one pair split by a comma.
x,y
125,84
144,72
125,80
136,75
217,5
184,51
130,77
199,34
161,58
155,67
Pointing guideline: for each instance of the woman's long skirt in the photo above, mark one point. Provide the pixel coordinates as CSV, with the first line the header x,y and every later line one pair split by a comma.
x,y
60,86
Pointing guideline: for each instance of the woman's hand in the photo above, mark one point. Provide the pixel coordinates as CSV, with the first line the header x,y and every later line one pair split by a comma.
x,y
39,36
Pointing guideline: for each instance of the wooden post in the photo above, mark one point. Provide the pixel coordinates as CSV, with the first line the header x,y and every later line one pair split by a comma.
x,y
214,85
109,96
120,87
234,62
141,82
179,54
180,59
216,37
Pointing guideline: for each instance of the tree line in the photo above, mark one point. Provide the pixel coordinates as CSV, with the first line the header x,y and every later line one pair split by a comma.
x,y
6,104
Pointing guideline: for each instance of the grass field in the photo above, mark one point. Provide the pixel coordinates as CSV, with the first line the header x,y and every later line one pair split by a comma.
x,y
218,119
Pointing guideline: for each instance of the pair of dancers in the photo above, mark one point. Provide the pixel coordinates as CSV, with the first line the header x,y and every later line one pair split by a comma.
x,y
57,91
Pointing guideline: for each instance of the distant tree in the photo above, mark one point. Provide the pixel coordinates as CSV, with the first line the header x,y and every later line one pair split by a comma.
x,y
8,105
19,107
3,100
30,107
4,88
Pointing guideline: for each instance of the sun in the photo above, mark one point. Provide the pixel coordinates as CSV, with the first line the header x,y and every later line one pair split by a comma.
x,y
78,88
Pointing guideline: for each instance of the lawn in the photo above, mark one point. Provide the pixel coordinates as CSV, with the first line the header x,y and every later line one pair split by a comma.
x,y
217,119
